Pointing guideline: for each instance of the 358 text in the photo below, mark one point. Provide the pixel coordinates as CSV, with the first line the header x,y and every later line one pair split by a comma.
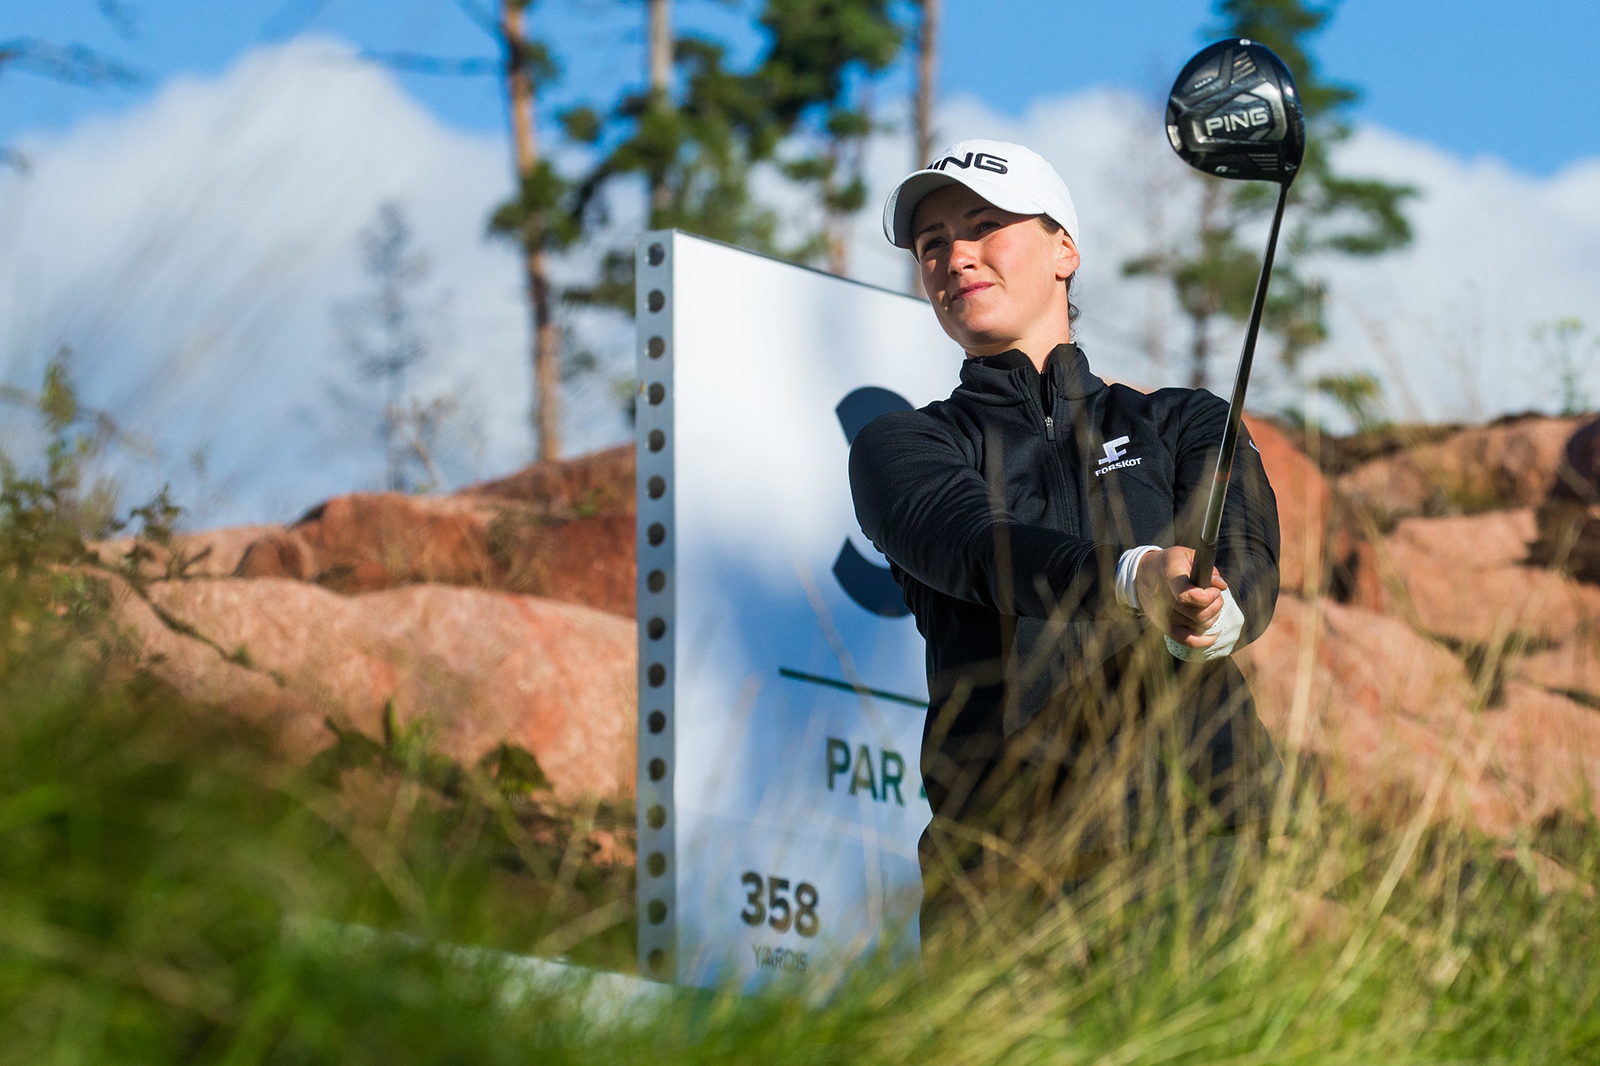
x,y
768,902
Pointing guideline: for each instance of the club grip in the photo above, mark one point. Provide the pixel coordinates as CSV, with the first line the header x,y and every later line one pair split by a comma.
x,y
1205,558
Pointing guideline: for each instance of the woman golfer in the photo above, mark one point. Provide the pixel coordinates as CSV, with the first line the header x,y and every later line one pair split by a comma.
x,y
1035,522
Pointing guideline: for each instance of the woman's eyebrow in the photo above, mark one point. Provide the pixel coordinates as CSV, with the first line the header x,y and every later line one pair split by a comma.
x,y
974,213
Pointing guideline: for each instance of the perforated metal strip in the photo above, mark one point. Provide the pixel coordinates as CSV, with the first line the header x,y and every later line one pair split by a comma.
x,y
657,602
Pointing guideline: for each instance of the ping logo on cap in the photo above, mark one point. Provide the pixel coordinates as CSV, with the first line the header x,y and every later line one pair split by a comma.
x,y
981,160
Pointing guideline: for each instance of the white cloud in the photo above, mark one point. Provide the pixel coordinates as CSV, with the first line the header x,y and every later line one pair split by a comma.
x,y
190,253
1445,323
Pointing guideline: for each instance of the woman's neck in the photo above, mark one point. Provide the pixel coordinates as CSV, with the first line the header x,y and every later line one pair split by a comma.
x,y
1051,326
1036,348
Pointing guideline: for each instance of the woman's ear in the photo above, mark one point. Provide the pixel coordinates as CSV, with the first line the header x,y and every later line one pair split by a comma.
x,y
1066,257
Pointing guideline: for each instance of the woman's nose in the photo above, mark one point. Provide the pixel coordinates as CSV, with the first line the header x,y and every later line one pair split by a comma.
x,y
962,254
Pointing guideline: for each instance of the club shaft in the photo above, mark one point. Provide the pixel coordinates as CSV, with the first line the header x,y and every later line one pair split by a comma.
x,y
1205,555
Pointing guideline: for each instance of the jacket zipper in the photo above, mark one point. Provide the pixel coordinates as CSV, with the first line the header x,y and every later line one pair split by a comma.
x,y
1066,495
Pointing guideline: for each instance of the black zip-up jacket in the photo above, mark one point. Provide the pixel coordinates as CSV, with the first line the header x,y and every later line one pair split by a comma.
x,y
1017,496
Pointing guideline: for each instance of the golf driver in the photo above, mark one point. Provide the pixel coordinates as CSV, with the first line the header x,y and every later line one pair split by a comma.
x,y
1234,113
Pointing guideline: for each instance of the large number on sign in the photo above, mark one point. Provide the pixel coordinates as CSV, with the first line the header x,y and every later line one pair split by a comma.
x,y
756,913
777,902
768,901
805,912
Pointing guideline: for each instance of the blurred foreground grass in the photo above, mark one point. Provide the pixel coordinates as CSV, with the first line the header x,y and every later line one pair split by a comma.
x,y
171,891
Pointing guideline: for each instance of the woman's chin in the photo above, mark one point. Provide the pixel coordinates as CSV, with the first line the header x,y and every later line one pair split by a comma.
x,y
982,331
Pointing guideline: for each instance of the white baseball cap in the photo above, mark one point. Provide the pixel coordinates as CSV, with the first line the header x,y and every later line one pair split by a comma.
x,y
1009,176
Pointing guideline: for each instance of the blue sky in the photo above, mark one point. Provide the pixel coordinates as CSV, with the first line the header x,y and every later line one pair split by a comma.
x,y
1475,77
190,238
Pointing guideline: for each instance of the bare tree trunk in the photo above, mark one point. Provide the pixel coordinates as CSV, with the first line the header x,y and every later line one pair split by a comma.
x,y
1199,351
835,225
546,335
1211,204
660,48
927,77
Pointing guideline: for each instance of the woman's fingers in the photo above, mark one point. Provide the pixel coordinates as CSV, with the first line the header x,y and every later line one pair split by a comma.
x,y
1194,610
1181,609
1193,600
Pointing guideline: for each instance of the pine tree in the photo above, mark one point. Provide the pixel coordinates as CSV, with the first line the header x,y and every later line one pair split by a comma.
x,y
382,331
535,218
694,152
532,218
923,99
694,148
659,52
1353,216
819,73
1212,272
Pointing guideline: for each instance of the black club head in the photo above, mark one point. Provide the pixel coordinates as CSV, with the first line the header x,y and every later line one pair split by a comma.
x,y
1234,112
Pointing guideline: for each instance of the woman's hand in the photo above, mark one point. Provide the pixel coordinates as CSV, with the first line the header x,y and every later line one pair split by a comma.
x,y
1166,595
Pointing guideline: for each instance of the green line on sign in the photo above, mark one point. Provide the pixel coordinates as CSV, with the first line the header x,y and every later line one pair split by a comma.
x,y
796,675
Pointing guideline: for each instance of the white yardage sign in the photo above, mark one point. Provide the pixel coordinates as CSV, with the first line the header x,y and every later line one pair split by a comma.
x,y
781,682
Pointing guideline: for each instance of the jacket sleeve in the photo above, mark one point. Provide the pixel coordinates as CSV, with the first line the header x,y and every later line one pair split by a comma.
x,y
923,505
1247,543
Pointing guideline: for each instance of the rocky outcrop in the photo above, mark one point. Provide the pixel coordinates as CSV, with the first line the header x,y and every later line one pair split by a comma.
x,y
1455,653
1396,717
208,553
470,668
1305,504
562,530
597,483
1456,667
1569,517
1468,577
1509,463
370,541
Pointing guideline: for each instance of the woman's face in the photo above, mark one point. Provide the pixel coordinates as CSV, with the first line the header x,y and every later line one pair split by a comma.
x,y
995,279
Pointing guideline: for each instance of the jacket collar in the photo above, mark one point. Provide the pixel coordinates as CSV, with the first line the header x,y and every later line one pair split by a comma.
x,y
1010,378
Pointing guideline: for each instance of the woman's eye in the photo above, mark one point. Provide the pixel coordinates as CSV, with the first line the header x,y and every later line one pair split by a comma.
x,y
985,226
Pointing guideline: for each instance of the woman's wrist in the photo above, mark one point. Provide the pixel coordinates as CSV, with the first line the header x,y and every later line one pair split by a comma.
x,y
1129,567
1149,577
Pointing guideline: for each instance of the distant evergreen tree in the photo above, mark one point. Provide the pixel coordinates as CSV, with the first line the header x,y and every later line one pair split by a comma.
x,y
818,74
388,332
534,217
1213,272
695,139
382,331
922,100
694,150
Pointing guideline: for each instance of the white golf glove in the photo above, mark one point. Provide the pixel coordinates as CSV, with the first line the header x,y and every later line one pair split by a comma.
x,y
1227,628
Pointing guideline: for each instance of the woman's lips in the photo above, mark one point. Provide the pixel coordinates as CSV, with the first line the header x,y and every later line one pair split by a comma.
x,y
967,290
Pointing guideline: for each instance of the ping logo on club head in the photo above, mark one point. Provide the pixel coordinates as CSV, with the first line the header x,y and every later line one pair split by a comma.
x,y
1235,123
1114,450
981,160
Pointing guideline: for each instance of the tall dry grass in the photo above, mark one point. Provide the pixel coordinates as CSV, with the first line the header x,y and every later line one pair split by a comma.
x,y
170,891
